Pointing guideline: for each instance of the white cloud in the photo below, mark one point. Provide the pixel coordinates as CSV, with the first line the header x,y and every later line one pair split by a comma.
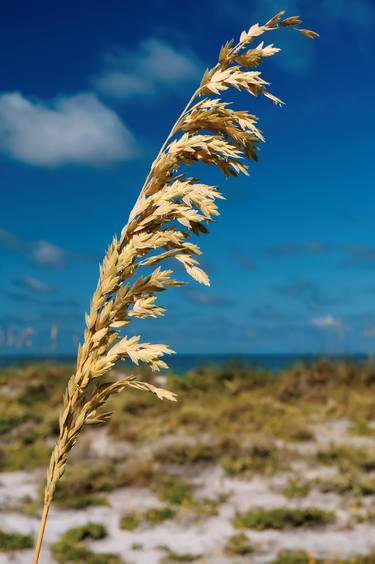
x,y
326,322
44,253
70,130
147,71
35,285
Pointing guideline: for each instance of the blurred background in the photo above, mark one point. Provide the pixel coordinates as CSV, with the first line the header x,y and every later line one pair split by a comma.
x,y
88,92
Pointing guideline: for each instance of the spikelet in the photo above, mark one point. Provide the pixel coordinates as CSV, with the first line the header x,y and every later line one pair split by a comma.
x,y
170,209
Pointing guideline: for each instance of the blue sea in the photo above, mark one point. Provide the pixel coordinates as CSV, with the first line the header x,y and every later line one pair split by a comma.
x,y
181,363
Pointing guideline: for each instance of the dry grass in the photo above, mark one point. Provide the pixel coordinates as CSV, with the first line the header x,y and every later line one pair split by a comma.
x,y
170,208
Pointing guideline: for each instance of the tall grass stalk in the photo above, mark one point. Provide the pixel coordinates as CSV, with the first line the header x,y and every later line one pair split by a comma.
x,y
170,208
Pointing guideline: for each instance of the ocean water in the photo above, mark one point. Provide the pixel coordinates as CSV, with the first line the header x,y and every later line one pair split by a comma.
x,y
181,363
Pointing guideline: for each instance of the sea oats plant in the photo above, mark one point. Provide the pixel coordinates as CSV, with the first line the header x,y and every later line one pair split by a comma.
x,y
170,208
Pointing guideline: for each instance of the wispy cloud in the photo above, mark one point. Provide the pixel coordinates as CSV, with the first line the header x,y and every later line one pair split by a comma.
x,y
44,253
244,261
296,249
154,68
311,294
208,298
34,285
41,253
69,130
359,255
270,313
326,322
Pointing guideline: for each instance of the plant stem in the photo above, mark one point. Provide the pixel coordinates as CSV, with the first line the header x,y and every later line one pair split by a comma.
x,y
41,532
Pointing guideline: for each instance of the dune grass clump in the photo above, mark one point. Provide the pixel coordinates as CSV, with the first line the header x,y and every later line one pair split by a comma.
x,y
303,557
172,206
172,556
87,485
238,545
174,491
71,548
347,459
296,489
130,521
15,541
282,518
295,557
158,515
259,459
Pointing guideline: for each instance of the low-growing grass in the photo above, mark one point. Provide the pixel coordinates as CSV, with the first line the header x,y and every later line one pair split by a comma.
x,y
359,426
172,556
296,489
295,557
15,541
282,518
347,458
302,557
174,491
264,458
70,547
130,521
238,545
158,515
85,483
24,456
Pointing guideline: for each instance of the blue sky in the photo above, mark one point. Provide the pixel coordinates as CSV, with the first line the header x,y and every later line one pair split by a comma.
x,y
88,92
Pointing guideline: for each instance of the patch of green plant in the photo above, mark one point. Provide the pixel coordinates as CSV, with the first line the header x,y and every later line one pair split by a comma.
x,y
70,547
15,541
302,557
159,514
29,506
20,456
130,521
295,489
239,545
264,459
347,458
172,556
282,518
83,484
347,483
174,491
11,414
136,546
367,487
294,557
187,454
361,427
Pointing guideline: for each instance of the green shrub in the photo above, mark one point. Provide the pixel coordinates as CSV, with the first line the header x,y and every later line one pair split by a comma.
x,y
187,454
282,518
15,541
260,458
130,521
239,545
293,557
19,456
174,491
159,514
70,548
172,556
347,458
296,489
